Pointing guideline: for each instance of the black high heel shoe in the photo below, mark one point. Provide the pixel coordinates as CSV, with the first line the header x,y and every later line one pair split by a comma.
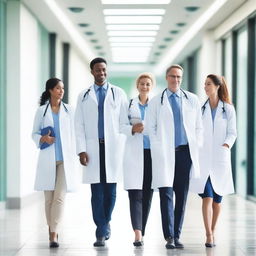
x,y
209,245
55,244
138,243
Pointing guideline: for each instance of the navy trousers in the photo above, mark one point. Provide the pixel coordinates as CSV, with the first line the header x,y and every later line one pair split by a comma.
x,y
103,199
140,200
172,219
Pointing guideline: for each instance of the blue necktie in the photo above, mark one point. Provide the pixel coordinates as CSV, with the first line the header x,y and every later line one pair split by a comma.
x,y
177,118
101,96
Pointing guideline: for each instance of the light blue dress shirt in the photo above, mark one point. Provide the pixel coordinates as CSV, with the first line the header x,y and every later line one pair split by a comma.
x,y
213,110
97,89
180,133
105,88
146,142
57,144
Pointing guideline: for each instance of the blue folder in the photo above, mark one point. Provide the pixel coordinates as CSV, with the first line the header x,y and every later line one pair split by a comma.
x,y
45,131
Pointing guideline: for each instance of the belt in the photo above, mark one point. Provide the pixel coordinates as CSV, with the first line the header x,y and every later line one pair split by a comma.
x,y
181,147
101,141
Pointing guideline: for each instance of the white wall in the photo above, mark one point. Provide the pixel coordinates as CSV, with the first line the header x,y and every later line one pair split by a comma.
x,y
80,76
59,58
29,96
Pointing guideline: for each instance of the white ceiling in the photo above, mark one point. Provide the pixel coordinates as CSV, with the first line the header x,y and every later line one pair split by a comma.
x,y
93,40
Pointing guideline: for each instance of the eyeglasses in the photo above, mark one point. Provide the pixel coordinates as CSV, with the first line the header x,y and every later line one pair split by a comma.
x,y
174,77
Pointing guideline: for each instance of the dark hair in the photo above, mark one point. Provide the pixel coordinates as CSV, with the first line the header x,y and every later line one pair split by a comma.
x,y
223,90
97,60
174,66
50,84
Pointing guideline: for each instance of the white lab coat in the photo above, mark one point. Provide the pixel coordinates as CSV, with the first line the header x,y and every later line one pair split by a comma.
x,y
160,125
215,160
133,165
46,166
86,125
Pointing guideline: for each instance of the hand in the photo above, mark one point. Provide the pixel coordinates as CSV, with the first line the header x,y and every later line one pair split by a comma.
x,y
225,145
137,128
47,138
84,158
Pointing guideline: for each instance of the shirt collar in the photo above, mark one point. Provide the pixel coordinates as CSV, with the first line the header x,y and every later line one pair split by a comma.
x,y
169,93
104,86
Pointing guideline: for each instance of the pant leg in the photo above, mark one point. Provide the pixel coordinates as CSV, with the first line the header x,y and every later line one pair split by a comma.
x,y
59,194
180,187
109,199
48,198
135,198
147,191
98,210
167,214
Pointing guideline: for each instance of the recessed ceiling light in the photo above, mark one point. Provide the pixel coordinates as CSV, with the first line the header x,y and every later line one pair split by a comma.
x,y
132,33
94,40
89,33
131,44
191,8
162,46
133,19
174,32
157,53
134,12
181,24
130,54
76,9
84,25
131,39
152,62
102,53
132,27
167,39
135,1
98,47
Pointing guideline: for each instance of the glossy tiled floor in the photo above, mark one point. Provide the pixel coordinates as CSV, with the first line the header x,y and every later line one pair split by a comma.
x,y
24,232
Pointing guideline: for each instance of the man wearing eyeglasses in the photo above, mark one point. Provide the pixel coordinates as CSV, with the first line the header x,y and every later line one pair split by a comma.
x,y
175,130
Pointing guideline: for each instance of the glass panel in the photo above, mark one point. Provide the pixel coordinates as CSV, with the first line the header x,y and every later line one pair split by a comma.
x,y
241,164
2,101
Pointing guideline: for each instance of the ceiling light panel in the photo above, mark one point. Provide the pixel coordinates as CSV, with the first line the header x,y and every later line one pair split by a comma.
x,y
135,1
131,44
134,12
132,39
132,33
133,19
132,27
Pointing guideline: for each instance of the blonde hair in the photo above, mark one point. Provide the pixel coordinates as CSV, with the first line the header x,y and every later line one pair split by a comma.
x,y
146,75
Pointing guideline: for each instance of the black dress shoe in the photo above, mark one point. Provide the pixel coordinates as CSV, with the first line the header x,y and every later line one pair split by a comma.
x,y
170,243
99,242
138,243
54,244
178,244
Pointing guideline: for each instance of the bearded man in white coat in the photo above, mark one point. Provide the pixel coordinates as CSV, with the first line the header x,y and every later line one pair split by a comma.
x,y
100,144
175,131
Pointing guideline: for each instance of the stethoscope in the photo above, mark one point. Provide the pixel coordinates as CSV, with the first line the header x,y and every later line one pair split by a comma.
x,y
204,107
162,96
86,95
48,106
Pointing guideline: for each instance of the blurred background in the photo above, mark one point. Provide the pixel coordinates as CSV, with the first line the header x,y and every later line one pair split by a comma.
x,y
40,39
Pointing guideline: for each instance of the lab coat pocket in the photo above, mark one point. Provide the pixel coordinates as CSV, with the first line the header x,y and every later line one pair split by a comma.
x,y
224,154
